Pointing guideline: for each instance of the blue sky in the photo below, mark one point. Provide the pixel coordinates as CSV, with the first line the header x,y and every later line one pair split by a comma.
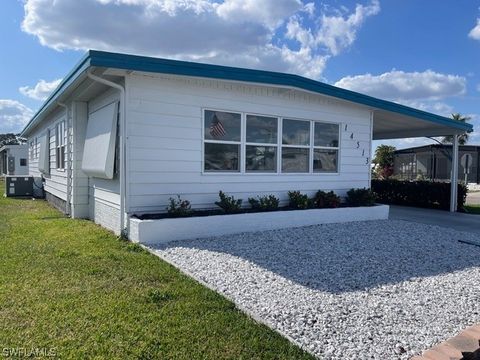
x,y
421,53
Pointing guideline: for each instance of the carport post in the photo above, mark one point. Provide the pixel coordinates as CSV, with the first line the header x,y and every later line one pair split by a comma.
x,y
454,175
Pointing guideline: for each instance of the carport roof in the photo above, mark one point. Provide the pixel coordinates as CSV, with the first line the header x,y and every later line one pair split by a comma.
x,y
390,120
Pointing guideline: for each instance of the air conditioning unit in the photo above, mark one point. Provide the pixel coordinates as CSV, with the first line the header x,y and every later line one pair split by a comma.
x,y
18,186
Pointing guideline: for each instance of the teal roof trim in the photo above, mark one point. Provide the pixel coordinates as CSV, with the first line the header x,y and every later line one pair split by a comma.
x,y
185,68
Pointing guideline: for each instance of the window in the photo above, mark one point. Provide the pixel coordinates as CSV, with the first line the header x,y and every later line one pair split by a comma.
x,y
247,143
325,152
23,162
60,140
261,144
295,146
222,141
35,148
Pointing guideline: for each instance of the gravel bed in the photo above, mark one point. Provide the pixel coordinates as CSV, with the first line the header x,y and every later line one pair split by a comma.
x,y
362,290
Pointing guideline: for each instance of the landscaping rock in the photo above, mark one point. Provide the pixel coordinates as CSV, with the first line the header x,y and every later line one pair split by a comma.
x,y
360,290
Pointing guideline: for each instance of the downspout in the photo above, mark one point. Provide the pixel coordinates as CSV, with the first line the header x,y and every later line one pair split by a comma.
x,y
69,170
122,143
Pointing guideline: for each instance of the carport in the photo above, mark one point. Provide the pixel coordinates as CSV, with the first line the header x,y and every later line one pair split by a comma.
x,y
409,122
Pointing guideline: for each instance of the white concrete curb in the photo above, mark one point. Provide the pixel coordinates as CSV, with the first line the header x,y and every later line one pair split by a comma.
x,y
166,230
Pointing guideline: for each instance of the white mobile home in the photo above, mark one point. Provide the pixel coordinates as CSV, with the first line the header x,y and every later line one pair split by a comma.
x,y
122,134
14,160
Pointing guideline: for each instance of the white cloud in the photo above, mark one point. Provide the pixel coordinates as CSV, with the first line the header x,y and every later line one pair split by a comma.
x,y
309,8
475,32
269,12
249,33
399,85
13,116
41,90
339,32
436,107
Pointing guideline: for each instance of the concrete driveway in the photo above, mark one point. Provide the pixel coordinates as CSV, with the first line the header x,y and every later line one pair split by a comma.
x,y
457,221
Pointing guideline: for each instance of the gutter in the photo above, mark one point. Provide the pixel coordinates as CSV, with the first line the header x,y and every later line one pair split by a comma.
x,y
122,144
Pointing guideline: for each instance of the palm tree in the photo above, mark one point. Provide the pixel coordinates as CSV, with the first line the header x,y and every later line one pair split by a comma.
x,y
462,139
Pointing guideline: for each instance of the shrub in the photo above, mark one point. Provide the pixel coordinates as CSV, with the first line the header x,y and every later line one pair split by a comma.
x,y
228,204
360,197
264,203
299,200
426,194
178,207
324,199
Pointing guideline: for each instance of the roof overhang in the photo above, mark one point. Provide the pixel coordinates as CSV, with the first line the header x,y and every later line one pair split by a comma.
x,y
6,147
394,125
390,120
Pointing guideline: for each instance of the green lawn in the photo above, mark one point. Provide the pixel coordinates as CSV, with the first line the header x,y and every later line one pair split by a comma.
x,y
472,209
73,287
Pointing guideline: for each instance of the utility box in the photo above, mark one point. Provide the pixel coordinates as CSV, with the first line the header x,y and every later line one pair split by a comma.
x,y
18,186
11,165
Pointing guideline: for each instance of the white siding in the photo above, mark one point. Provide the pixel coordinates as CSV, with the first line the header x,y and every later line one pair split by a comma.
x,y
92,198
164,152
18,152
56,180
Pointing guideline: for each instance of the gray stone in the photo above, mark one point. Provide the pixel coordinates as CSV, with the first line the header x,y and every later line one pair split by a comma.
x,y
374,290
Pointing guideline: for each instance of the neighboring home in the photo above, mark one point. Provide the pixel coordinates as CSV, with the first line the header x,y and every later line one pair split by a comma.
x,y
14,160
434,162
122,134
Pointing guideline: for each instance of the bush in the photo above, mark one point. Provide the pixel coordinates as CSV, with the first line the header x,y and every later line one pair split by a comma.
x,y
324,199
360,197
299,200
178,207
264,203
426,194
229,204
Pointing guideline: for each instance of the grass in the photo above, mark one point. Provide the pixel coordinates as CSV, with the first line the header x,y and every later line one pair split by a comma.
x,y
74,288
472,209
